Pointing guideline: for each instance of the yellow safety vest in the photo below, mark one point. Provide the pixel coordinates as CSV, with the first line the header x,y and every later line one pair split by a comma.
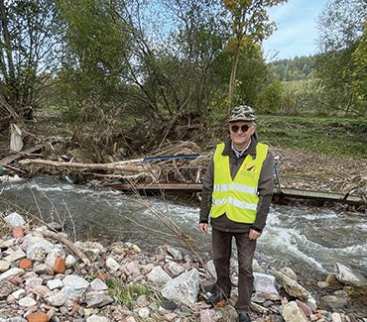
x,y
237,198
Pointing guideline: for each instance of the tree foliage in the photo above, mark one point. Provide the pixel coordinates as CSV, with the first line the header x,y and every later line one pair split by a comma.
x,y
28,38
339,67
250,25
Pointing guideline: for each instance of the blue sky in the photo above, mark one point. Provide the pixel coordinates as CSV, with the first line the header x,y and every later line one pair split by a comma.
x,y
297,33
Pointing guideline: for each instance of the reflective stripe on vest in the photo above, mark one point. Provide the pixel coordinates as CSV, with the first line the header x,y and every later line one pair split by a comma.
x,y
237,198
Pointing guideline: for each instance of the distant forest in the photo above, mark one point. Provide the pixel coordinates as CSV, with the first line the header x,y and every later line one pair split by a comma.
x,y
298,68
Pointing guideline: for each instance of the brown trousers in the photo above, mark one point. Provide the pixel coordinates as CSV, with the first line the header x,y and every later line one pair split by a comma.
x,y
222,249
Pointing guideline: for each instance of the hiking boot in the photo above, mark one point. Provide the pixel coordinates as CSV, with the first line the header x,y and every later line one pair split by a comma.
x,y
243,317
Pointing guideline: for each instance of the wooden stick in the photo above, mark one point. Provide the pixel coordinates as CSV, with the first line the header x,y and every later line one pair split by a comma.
x,y
60,238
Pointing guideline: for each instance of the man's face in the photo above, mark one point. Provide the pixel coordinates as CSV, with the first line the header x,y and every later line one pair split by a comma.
x,y
241,132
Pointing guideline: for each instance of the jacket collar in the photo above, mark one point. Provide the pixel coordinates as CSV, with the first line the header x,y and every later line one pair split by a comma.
x,y
251,149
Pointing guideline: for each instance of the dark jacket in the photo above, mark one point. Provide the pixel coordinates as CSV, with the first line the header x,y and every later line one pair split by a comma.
x,y
265,191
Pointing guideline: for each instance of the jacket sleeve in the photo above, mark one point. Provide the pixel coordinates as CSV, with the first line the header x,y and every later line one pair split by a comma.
x,y
206,194
265,191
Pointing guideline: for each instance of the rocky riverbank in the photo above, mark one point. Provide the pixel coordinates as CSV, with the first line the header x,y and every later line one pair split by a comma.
x,y
46,277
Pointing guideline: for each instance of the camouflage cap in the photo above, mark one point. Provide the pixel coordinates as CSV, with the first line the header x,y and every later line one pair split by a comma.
x,y
242,113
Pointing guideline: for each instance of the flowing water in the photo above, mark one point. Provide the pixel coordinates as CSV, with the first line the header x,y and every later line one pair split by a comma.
x,y
310,240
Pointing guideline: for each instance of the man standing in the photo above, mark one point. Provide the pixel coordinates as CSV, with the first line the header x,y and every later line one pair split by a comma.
x,y
237,192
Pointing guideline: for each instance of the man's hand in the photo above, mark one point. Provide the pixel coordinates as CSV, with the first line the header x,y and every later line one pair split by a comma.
x,y
254,234
203,227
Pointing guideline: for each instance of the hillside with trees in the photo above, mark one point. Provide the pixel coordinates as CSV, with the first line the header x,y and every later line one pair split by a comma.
x,y
140,73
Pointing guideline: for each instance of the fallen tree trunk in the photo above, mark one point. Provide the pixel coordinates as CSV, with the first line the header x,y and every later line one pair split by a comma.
x,y
130,166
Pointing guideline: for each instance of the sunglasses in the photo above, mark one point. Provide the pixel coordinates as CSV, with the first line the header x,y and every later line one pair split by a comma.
x,y
244,128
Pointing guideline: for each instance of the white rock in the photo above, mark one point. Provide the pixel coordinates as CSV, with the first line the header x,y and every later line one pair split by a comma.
x,y
74,286
92,249
264,285
7,243
11,272
158,276
98,285
37,247
112,264
53,255
292,313
133,268
174,268
18,294
175,253
292,287
336,317
41,291
97,318
70,261
56,299
289,272
130,319
14,255
14,220
27,301
97,298
56,283
32,282
41,269
4,266
184,288
144,312
346,275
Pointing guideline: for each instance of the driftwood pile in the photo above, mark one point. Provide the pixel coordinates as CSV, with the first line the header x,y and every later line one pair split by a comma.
x,y
166,165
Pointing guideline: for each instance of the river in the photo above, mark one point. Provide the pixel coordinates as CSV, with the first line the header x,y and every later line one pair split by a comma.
x,y
310,240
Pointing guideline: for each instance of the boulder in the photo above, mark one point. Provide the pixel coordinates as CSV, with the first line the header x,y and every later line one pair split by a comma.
x,y
57,299
264,285
54,255
6,288
292,287
158,276
98,285
14,220
27,301
112,265
4,266
184,288
56,283
14,255
36,247
291,312
335,302
97,318
175,253
289,272
346,275
11,273
174,269
92,249
74,286
97,299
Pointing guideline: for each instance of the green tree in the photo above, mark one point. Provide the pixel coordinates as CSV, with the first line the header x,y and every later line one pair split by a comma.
x,y
96,46
341,27
250,25
28,53
359,57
